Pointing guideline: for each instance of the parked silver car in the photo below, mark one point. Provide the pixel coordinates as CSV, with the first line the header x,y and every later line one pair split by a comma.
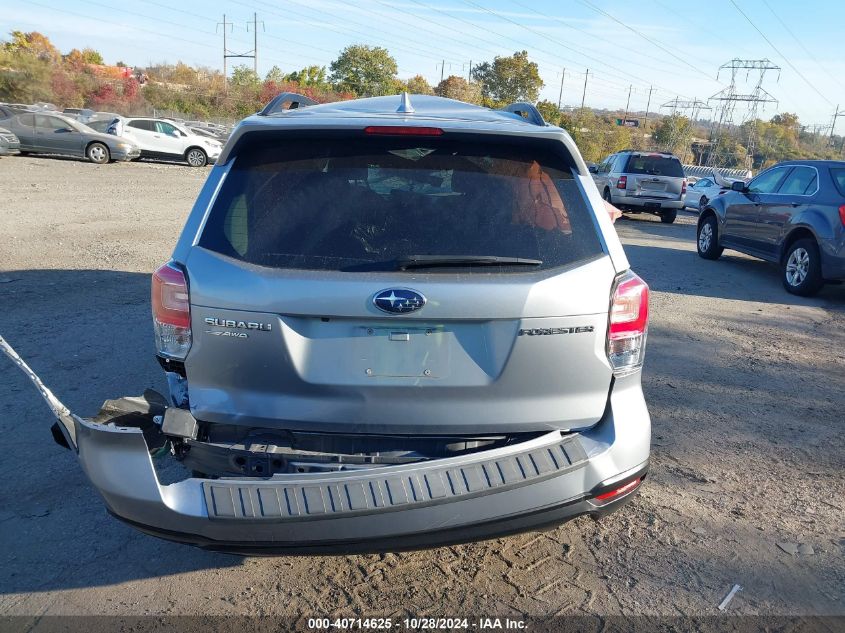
x,y
386,325
9,143
637,182
45,133
158,138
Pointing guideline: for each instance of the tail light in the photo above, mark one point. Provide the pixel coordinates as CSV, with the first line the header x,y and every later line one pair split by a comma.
x,y
622,183
628,324
171,312
842,214
684,186
402,130
621,490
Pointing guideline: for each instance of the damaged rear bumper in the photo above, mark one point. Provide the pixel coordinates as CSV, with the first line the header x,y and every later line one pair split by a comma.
x,y
534,483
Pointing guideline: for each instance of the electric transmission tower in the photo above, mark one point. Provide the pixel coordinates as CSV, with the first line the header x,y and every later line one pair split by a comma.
x,y
682,134
730,97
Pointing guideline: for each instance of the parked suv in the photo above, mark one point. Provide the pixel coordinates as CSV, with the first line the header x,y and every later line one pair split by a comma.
x,y
386,325
792,214
643,182
158,138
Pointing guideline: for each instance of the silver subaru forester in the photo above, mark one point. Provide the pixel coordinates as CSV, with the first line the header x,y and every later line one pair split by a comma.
x,y
389,323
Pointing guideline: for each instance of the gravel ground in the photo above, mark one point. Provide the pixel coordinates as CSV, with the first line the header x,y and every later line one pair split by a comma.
x,y
744,383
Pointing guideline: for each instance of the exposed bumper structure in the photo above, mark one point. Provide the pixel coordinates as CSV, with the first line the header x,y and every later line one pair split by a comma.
x,y
546,480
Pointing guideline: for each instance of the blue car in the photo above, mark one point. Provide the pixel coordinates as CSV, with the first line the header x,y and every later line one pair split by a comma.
x,y
792,214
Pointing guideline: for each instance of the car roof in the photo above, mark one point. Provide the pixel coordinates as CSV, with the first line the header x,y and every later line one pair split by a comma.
x,y
415,110
424,107
810,163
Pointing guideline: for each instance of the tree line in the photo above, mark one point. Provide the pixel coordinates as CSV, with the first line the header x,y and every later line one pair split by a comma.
x,y
32,69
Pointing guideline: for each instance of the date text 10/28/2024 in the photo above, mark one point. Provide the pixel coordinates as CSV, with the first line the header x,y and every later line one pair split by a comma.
x,y
417,624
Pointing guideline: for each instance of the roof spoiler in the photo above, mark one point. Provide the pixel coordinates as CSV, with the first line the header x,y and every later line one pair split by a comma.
x,y
527,111
278,102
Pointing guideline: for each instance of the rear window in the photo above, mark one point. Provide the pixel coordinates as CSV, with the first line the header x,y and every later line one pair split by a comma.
x,y
654,166
362,203
839,179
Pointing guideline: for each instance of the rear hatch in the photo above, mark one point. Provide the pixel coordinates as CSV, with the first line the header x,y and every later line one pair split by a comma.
x,y
654,176
367,283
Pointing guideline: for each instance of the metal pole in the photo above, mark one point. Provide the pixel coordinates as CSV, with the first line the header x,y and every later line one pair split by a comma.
x,y
255,43
835,116
560,96
469,74
225,81
647,106
584,95
627,105
442,68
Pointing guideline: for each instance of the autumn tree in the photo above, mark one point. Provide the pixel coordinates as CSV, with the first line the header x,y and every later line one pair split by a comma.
x,y
364,70
454,87
419,86
92,57
309,76
509,79
550,112
32,43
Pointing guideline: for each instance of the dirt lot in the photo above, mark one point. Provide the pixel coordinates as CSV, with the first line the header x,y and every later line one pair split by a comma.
x,y
744,383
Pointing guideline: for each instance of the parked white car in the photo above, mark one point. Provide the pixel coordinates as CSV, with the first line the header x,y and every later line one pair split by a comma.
x,y
705,189
158,138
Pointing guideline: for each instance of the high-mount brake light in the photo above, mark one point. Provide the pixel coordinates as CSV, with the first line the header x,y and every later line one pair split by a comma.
x,y
171,312
403,130
628,324
622,183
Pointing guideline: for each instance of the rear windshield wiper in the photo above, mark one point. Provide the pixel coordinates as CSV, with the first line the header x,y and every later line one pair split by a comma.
x,y
427,261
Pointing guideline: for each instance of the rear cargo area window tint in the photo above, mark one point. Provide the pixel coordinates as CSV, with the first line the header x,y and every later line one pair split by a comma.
x,y
361,204
655,166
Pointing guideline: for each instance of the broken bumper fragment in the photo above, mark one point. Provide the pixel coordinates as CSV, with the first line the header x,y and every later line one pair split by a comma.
x,y
546,480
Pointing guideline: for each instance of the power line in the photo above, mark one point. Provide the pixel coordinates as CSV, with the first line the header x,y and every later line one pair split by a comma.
x,y
785,58
594,36
801,44
644,36
544,36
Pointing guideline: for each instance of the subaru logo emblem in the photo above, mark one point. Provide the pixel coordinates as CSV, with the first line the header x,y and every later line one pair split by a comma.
x,y
398,300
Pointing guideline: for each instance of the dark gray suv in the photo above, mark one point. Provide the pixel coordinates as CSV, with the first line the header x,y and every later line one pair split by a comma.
x,y
792,214
388,323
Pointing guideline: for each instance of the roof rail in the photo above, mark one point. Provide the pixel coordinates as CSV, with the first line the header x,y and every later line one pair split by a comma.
x,y
278,102
527,111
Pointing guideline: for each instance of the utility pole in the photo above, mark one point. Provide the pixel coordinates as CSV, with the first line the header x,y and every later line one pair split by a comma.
x,y
627,106
469,74
224,24
836,115
442,69
560,96
255,41
681,135
647,106
584,95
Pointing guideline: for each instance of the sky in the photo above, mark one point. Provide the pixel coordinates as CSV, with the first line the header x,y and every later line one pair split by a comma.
x,y
674,47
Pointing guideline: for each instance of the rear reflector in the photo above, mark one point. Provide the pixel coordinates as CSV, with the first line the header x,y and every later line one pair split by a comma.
x,y
171,312
628,324
403,130
622,490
